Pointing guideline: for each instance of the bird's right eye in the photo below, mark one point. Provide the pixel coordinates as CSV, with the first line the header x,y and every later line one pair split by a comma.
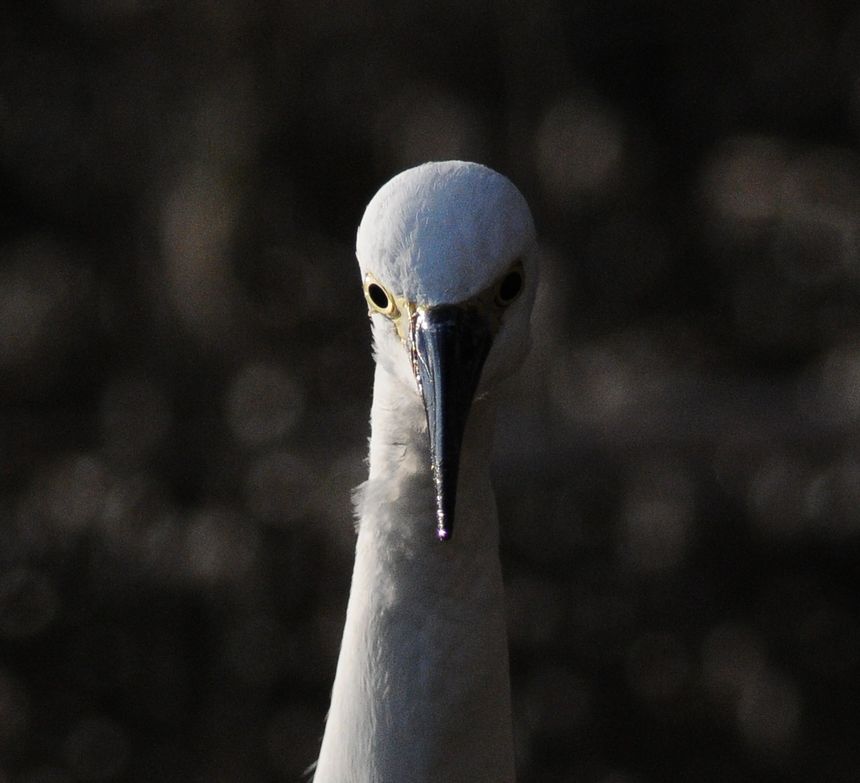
x,y
378,298
510,286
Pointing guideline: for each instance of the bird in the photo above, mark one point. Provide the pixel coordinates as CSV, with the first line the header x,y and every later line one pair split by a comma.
x,y
421,693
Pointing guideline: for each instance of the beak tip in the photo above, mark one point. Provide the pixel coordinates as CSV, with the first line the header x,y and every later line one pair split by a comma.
x,y
444,513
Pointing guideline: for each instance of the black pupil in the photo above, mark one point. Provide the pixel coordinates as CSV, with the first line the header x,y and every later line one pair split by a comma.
x,y
510,286
377,296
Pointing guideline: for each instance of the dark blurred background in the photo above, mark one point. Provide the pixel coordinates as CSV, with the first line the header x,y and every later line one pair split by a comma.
x,y
185,375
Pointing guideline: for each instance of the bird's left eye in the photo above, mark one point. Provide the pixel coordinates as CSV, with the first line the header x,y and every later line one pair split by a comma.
x,y
378,298
510,286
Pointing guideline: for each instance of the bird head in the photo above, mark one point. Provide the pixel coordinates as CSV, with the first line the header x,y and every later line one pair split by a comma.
x,y
445,251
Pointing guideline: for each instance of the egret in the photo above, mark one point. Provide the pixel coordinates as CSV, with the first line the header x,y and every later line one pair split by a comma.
x,y
422,691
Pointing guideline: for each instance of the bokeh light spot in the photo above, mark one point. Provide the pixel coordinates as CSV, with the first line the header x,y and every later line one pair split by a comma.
x,y
28,603
657,516
97,748
14,709
557,702
74,492
220,547
769,713
732,657
776,495
264,403
580,150
135,417
744,181
423,123
197,225
658,667
279,488
44,775
256,650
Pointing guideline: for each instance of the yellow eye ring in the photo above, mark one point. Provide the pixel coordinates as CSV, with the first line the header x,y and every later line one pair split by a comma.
x,y
510,286
378,298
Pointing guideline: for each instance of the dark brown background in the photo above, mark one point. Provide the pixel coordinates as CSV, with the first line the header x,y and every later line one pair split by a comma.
x,y
185,375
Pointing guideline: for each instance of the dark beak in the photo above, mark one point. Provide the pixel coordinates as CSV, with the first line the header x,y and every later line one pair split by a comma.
x,y
449,345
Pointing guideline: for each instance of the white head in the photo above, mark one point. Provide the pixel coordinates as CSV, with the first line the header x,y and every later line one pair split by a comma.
x,y
442,233
445,251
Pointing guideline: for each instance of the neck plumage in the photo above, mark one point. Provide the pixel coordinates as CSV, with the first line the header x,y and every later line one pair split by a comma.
x,y
422,689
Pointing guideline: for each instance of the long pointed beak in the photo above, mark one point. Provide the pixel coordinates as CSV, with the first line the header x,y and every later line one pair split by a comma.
x,y
449,345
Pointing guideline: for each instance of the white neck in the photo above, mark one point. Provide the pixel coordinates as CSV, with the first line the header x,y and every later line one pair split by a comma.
x,y
422,689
